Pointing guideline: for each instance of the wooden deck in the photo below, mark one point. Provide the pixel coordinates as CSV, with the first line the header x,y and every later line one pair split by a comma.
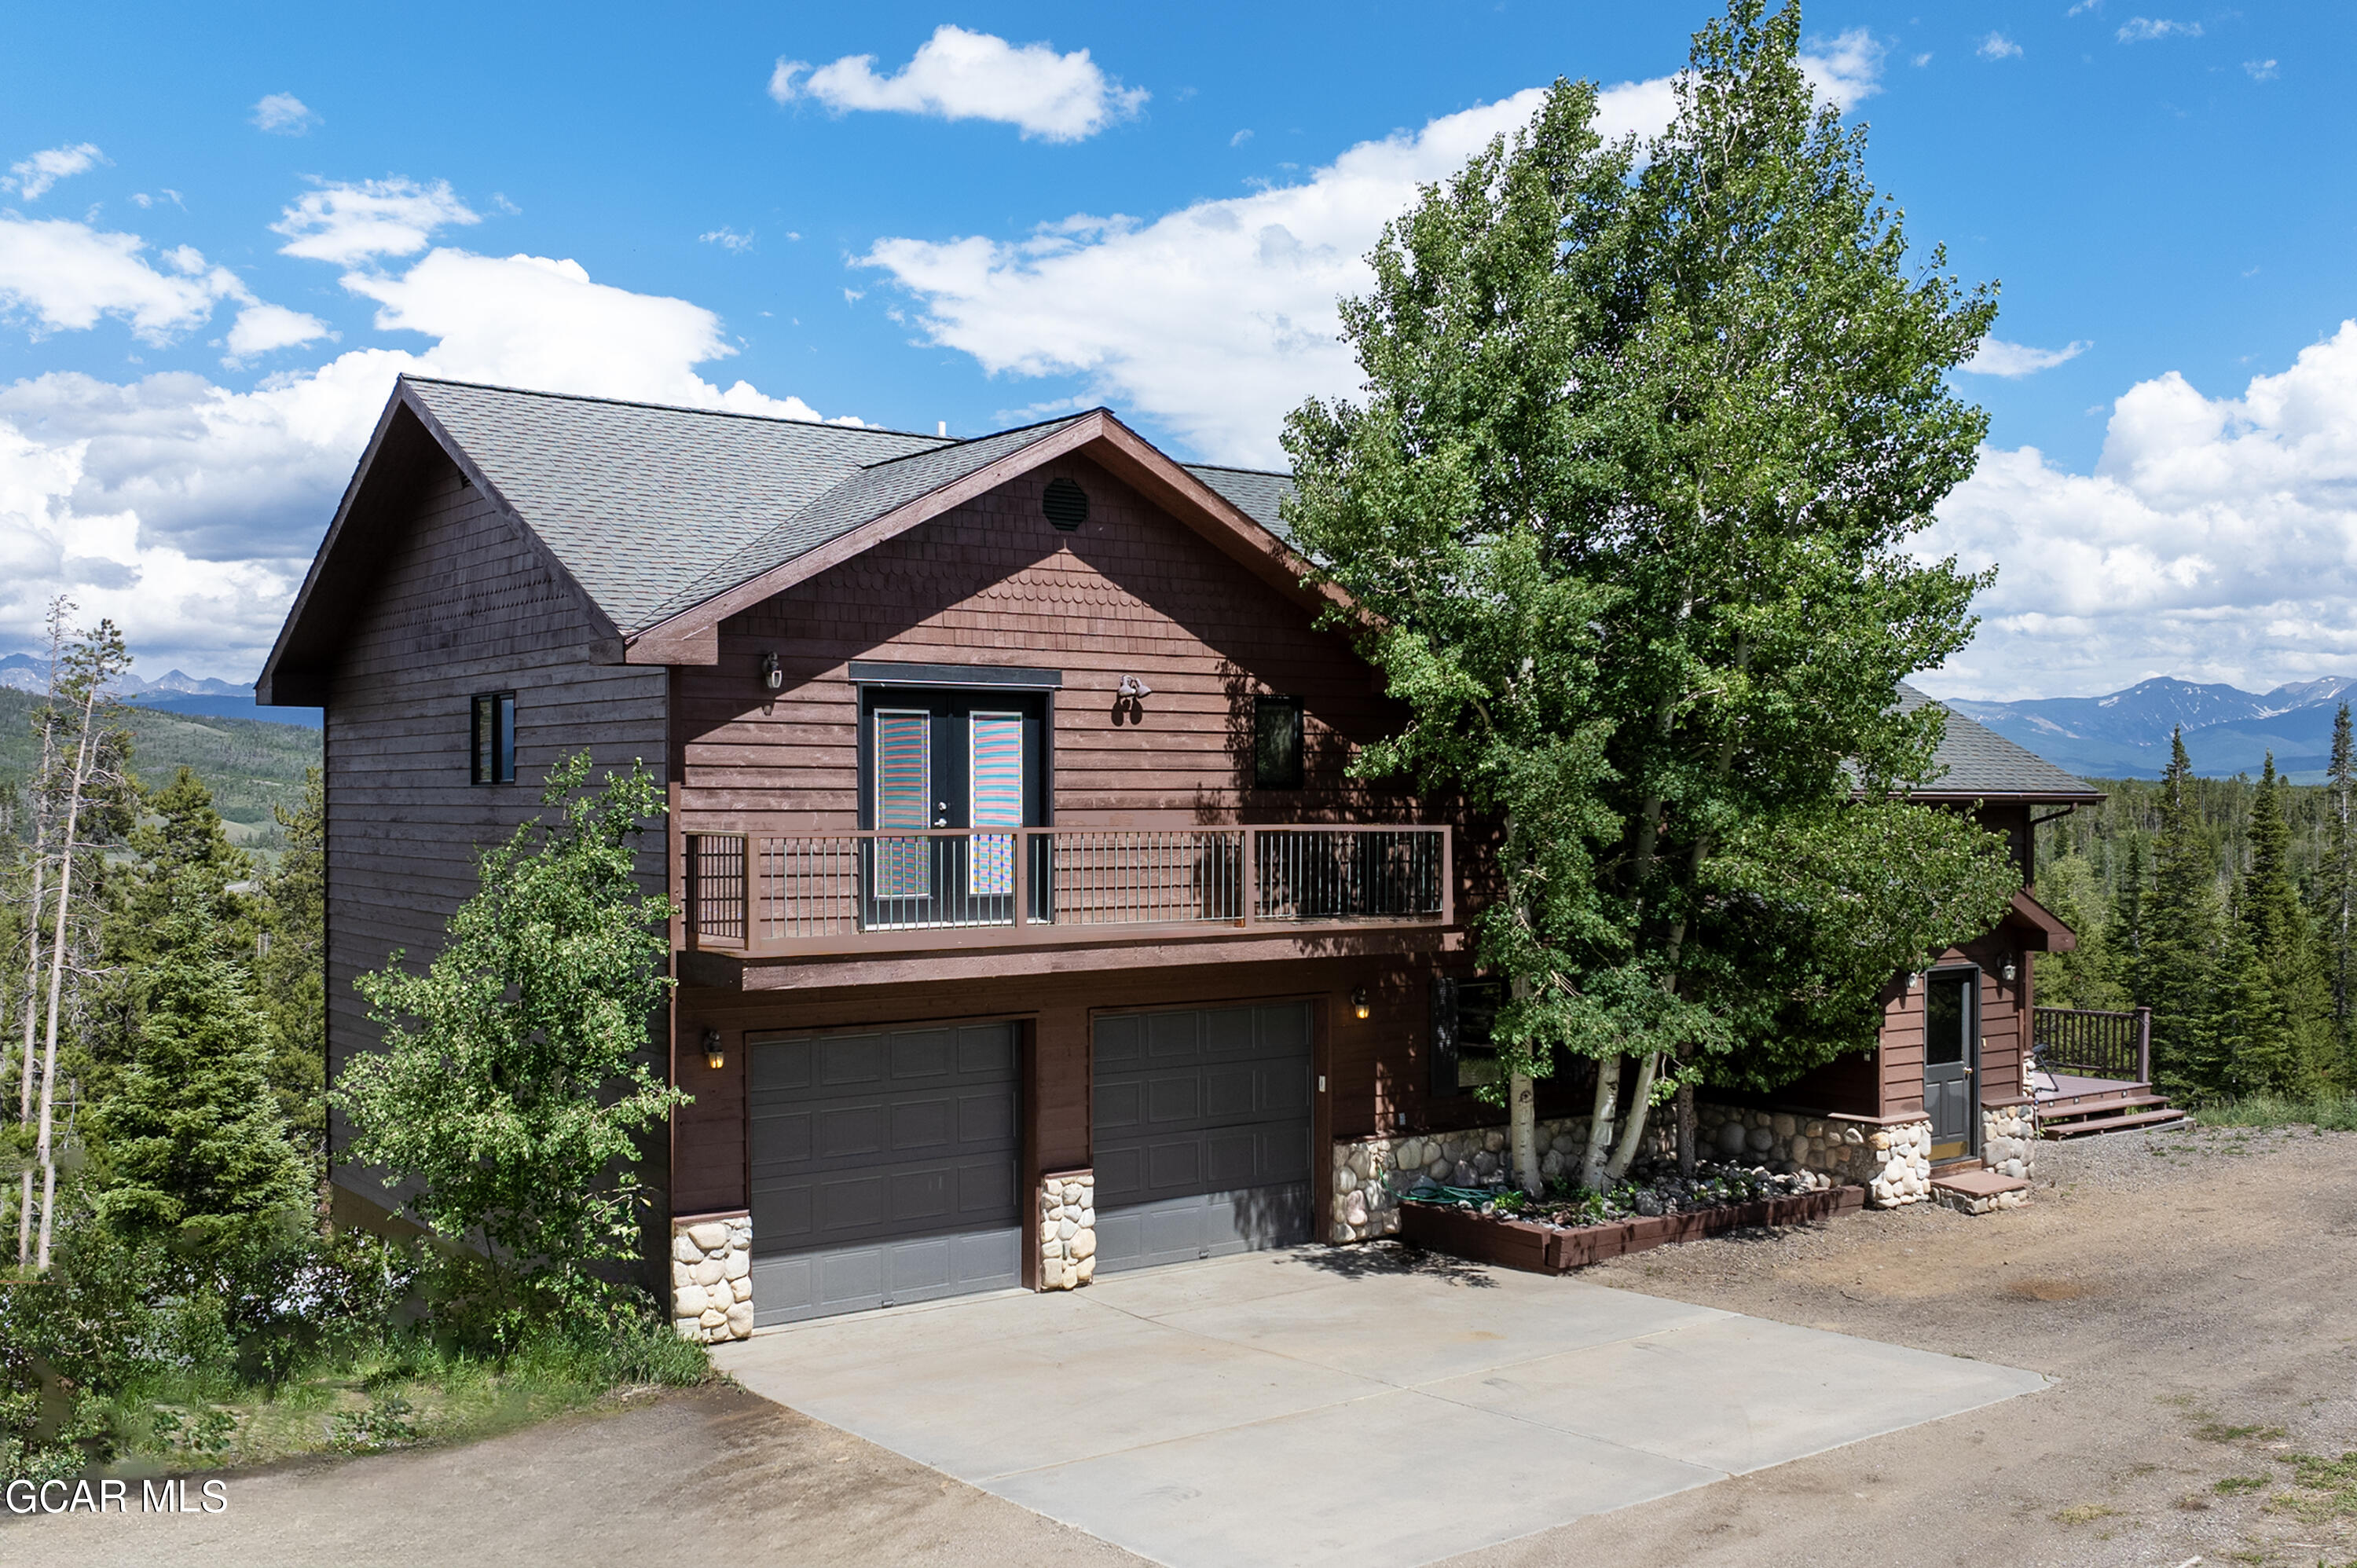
x,y
2070,1106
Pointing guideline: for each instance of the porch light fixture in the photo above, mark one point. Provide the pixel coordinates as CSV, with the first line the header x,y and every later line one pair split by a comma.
x,y
1359,1003
773,674
713,1057
2008,972
1913,979
1133,688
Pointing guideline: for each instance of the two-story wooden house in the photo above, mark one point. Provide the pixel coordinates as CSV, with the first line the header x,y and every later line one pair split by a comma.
x,y
1028,925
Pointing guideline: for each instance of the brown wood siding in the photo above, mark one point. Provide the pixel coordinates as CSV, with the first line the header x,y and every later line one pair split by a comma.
x,y
1134,591
462,605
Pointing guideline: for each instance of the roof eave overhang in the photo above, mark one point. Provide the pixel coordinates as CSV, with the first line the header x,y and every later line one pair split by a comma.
x,y
2042,929
2024,797
693,636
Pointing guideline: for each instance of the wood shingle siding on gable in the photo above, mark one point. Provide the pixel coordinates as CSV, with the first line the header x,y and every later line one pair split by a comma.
x,y
461,606
1133,592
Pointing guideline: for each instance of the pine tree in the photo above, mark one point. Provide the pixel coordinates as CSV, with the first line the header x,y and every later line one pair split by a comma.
x,y
289,976
2281,1036
196,1150
2176,975
2339,888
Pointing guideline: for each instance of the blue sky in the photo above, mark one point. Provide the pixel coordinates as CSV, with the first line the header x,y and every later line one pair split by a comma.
x,y
225,229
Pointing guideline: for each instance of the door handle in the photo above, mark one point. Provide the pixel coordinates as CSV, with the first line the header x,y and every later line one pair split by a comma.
x,y
1968,1072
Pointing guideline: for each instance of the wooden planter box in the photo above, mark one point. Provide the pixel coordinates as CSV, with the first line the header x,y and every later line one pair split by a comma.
x,y
1518,1244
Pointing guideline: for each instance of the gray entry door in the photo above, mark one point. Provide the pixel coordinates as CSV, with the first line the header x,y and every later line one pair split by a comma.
x,y
1202,1133
1952,1038
883,1168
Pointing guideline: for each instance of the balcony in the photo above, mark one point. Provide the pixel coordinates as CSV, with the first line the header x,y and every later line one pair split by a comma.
x,y
797,894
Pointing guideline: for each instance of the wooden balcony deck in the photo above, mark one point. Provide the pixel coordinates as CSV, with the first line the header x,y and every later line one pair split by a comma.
x,y
754,897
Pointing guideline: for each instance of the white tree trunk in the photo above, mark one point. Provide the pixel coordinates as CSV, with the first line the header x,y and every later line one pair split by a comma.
x,y
1633,1130
32,1016
43,1154
1599,1122
1523,1127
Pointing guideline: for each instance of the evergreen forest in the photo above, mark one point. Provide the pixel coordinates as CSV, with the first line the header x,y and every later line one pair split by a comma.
x,y
2224,904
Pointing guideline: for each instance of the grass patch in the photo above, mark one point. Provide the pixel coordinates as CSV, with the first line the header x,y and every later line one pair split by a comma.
x,y
2085,1513
2234,1485
2327,1113
2322,1488
2218,1432
396,1396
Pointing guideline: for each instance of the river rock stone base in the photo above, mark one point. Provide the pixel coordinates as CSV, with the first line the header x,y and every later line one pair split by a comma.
x,y
2009,1140
1068,1229
1369,1173
712,1279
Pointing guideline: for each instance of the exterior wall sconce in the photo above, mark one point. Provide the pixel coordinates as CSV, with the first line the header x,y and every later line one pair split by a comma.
x,y
1359,1005
713,1057
1133,688
1913,979
773,674
2009,972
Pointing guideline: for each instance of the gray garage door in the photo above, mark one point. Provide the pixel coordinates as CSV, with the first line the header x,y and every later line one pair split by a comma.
x,y
1202,1133
883,1168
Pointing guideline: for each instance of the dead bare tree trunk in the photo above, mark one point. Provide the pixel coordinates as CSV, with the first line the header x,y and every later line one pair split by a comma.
x,y
59,608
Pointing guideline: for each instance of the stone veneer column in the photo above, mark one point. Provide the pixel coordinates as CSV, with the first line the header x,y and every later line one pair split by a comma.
x,y
2009,1139
712,1278
1068,1229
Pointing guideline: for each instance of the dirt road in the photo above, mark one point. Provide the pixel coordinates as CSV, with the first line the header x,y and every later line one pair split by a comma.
x,y
2196,1295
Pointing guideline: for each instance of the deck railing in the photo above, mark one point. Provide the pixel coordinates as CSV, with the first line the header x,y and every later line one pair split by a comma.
x,y
2090,1044
777,893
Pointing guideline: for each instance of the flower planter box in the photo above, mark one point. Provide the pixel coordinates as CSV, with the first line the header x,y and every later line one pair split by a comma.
x,y
1542,1248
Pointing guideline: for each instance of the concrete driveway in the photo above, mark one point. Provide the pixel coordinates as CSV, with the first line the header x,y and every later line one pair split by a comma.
x,y
1329,1406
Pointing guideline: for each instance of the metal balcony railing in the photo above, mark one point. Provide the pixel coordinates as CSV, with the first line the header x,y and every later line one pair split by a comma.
x,y
764,895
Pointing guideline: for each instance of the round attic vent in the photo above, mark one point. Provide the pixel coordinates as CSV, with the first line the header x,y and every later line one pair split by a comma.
x,y
1066,504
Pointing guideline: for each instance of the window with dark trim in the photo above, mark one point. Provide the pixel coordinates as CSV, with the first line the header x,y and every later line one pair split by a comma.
x,y
1464,1049
494,737
1276,743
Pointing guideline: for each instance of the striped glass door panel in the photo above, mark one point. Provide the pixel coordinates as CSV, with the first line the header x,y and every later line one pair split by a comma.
x,y
995,798
904,787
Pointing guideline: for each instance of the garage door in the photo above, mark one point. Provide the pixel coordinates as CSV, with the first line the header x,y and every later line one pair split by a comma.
x,y
883,1168
1202,1133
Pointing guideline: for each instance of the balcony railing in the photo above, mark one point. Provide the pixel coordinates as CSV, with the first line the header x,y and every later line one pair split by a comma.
x,y
2082,1043
767,895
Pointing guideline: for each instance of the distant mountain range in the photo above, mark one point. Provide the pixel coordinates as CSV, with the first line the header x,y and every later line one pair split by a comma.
x,y
2227,730
172,691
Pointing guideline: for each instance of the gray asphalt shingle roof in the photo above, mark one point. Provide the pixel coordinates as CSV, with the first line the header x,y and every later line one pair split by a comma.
x,y
1977,761
655,510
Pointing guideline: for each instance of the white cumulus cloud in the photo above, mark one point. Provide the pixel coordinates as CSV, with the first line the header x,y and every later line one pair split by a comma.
x,y
1995,358
1997,46
32,178
65,276
283,115
1219,319
960,75
188,510
344,223
2144,29
2216,540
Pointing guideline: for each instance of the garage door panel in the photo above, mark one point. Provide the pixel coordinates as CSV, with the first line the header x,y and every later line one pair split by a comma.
x,y
1221,1159
988,1118
884,1168
847,1059
921,1054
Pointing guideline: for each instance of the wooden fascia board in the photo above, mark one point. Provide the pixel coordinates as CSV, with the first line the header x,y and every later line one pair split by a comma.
x,y
452,448
693,636
2051,934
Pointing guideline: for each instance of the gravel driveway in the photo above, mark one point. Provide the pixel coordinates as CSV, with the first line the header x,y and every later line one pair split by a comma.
x,y
2194,1293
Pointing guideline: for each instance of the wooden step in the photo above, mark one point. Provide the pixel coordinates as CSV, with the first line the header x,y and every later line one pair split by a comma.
x,y
2051,1104
2097,1107
2169,1115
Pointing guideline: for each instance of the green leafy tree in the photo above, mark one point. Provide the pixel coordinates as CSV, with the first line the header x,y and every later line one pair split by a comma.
x,y
514,1073
1624,519
2177,974
2088,976
2337,888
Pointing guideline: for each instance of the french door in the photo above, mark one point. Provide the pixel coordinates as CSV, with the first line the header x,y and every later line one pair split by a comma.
x,y
944,767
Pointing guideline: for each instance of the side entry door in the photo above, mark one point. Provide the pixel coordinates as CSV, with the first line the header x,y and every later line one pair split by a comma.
x,y
1952,1038
938,764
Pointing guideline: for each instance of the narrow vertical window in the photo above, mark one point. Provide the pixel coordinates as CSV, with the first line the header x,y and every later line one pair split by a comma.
x,y
1276,743
995,773
494,738
904,785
